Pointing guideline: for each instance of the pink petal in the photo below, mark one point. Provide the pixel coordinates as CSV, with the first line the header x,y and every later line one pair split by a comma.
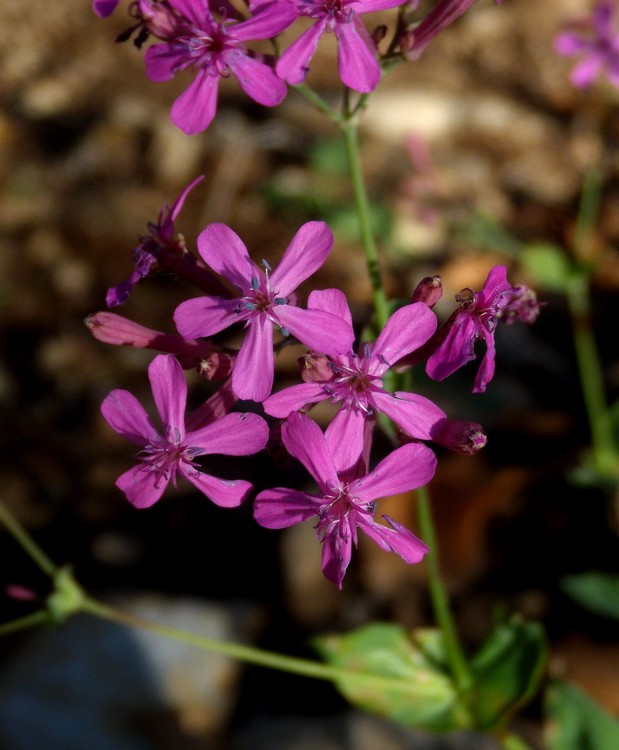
x,y
571,44
225,252
486,367
330,300
205,316
293,65
357,63
236,434
495,284
336,554
319,331
104,8
372,6
585,73
252,376
406,468
227,493
415,414
169,392
142,487
305,254
269,20
406,330
293,399
177,206
304,441
280,508
397,539
345,437
163,61
195,108
257,79
194,10
455,350
126,416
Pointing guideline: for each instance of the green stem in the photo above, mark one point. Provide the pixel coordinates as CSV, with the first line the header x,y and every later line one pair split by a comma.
x,y
317,100
590,370
440,601
351,138
26,542
513,742
250,655
41,617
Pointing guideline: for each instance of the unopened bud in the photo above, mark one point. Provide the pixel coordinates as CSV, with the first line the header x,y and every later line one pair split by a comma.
x,y
315,368
429,290
523,306
459,436
216,366
379,33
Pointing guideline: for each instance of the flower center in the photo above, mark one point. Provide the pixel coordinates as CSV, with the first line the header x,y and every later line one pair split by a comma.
x,y
164,458
334,10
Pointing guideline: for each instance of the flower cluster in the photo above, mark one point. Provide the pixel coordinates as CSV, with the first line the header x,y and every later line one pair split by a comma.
x,y
214,40
262,301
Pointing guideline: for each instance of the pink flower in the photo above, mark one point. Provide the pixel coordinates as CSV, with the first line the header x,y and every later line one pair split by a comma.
x,y
476,318
357,56
345,503
104,8
174,449
356,380
164,250
215,49
266,299
599,46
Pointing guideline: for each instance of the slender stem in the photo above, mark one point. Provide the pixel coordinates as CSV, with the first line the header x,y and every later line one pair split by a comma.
x,y
317,101
440,601
41,617
513,742
250,655
26,542
590,369
351,138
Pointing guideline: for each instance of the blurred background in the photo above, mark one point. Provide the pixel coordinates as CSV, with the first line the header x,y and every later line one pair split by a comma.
x,y
473,153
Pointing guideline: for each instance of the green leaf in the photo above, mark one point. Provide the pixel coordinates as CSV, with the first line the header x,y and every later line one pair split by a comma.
x,y
595,591
547,265
420,693
507,671
576,722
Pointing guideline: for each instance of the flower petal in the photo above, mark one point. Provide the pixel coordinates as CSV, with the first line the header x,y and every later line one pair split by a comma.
x,y
126,416
406,330
252,376
304,441
163,61
141,486
205,316
280,508
332,301
269,19
227,493
357,63
415,414
305,254
345,437
257,79
195,108
396,539
319,331
104,8
169,392
236,434
293,65
291,399
456,349
404,469
225,252
336,553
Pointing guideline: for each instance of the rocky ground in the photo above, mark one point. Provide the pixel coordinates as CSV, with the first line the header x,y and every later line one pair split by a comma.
x,y
475,150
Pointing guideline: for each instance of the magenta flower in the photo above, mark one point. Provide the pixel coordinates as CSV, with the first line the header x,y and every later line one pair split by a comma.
x,y
356,380
414,41
357,54
265,299
344,503
598,46
476,318
214,50
174,449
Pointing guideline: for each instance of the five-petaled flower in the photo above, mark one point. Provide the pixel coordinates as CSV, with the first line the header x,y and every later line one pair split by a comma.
x,y
598,46
476,318
174,449
215,49
357,56
356,380
345,501
266,299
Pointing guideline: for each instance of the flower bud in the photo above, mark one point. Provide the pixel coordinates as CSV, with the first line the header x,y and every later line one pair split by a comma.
x,y
216,366
459,436
315,368
429,290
